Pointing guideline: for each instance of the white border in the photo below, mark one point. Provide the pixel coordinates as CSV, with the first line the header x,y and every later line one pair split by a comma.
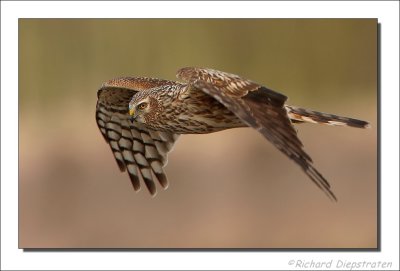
x,y
12,258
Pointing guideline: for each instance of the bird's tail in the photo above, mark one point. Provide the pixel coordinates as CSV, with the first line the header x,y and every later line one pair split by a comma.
x,y
301,115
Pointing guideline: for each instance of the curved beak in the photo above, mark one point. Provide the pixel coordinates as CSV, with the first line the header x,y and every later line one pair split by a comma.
x,y
132,113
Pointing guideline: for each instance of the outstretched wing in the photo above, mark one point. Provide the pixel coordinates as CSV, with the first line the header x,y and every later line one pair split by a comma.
x,y
259,107
138,150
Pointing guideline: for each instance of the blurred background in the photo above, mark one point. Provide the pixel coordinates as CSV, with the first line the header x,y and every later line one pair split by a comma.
x,y
230,189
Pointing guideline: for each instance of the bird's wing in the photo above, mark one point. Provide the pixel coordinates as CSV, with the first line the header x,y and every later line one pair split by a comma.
x,y
259,107
140,151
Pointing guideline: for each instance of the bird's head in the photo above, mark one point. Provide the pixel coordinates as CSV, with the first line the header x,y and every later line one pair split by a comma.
x,y
144,107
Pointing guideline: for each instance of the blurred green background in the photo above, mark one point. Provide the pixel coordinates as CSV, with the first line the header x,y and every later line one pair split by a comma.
x,y
230,189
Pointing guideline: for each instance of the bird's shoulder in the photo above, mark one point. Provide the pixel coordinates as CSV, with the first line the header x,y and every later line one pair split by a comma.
x,y
229,85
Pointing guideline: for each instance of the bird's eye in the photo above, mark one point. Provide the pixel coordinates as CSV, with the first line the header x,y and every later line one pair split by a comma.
x,y
142,106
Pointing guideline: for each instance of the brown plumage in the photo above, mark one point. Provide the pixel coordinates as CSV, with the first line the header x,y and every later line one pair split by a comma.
x,y
141,119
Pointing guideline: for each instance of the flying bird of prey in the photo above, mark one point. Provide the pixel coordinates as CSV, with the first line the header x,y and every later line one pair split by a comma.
x,y
141,118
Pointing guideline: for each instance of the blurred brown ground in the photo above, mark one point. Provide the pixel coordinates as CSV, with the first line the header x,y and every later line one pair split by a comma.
x,y
230,189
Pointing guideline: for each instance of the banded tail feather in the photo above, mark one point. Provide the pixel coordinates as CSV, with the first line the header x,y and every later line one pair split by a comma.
x,y
301,115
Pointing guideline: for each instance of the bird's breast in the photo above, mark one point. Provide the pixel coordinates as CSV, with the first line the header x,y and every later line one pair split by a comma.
x,y
199,115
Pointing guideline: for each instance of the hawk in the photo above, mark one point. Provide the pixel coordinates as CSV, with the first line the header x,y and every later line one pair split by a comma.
x,y
141,118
